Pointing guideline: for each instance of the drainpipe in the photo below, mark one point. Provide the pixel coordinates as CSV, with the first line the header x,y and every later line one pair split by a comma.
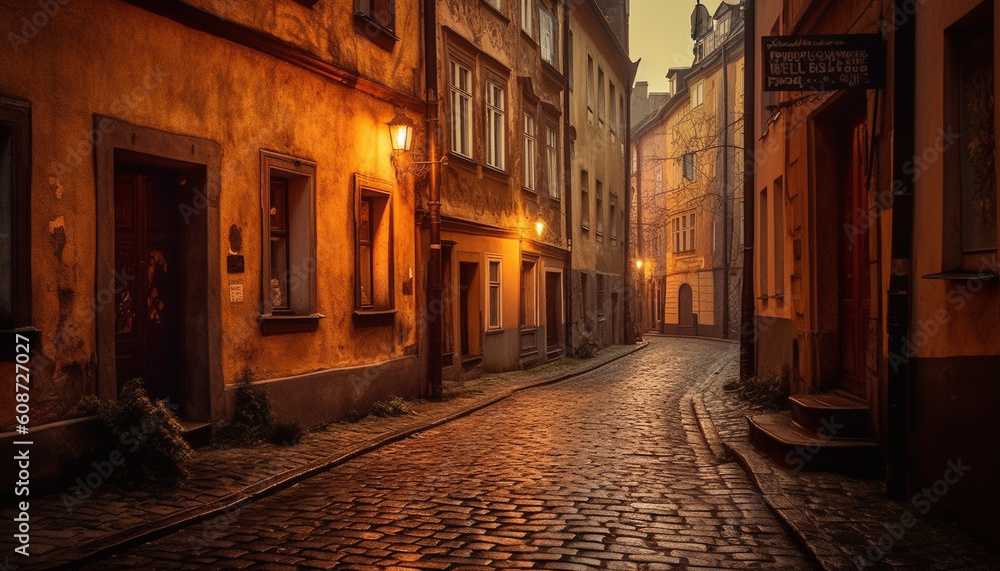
x,y
748,334
628,335
433,308
568,194
726,237
898,314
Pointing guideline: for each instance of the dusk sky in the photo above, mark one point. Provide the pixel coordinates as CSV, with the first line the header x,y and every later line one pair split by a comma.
x,y
660,34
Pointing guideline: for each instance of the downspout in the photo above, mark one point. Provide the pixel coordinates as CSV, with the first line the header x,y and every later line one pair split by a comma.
x,y
628,335
726,237
898,317
748,330
568,194
433,308
640,244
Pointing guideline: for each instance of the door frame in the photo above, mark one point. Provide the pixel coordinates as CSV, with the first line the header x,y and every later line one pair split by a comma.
x,y
202,336
561,295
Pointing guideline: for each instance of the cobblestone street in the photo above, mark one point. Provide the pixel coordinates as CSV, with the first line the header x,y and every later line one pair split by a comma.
x,y
606,470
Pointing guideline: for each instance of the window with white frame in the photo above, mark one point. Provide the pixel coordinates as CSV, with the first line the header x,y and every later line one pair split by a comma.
x,y
599,196
373,245
613,117
495,141
461,109
585,200
382,12
682,231
698,94
552,161
613,218
527,7
493,307
547,27
591,90
529,152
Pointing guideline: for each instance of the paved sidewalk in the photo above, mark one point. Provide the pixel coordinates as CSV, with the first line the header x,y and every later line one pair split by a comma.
x,y
847,523
223,480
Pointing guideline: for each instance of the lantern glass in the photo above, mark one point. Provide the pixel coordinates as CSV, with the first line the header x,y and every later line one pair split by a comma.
x,y
401,132
539,227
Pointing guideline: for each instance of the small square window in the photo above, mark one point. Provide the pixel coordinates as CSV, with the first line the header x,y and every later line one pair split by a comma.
x,y
494,294
373,271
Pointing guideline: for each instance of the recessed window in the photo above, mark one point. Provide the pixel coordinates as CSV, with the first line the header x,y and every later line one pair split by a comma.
x,y
658,179
591,90
527,7
498,4
552,161
613,217
529,295
600,211
682,230
461,109
382,12
601,98
529,152
15,249
613,119
585,200
689,170
698,94
373,245
547,26
495,139
493,308
289,260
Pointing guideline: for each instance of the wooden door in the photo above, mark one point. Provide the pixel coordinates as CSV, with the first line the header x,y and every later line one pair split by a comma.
x,y
855,287
148,314
553,308
469,307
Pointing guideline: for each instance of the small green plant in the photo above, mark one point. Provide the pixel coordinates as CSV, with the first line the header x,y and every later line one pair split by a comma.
x,y
586,347
395,406
253,420
146,435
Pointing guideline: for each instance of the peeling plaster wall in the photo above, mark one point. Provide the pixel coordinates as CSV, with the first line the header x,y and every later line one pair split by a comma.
x,y
111,58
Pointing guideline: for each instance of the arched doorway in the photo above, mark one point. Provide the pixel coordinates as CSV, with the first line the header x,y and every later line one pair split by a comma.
x,y
685,310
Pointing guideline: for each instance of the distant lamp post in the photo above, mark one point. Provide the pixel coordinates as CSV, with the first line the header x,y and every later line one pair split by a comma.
x,y
638,264
540,227
401,138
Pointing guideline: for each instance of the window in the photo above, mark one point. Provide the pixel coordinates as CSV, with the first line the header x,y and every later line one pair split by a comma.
x,y
15,247
529,152
601,98
778,247
461,109
601,278
762,246
289,260
682,231
547,26
526,10
498,4
382,12
613,218
635,160
495,140
623,118
613,118
373,284
569,60
689,172
552,161
590,90
529,296
722,28
698,94
658,179
970,107
585,200
493,318
600,211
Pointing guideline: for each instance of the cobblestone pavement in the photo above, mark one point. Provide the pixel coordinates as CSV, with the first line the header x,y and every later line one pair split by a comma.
x,y
848,523
74,524
606,470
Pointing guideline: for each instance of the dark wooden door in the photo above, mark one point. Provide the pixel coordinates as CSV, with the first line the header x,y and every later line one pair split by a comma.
x,y
685,309
553,308
148,314
855,287
469,308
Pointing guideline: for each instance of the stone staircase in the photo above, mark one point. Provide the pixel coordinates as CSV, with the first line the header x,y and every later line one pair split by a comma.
x,y
822,432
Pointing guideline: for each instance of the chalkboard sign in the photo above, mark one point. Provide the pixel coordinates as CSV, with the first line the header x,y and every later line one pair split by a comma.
x,y
822,63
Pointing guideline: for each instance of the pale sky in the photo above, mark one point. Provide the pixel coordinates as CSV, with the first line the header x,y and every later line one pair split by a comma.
x,y
660,33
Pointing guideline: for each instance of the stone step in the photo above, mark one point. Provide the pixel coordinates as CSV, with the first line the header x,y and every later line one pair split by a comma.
x,y
197,434
831,414
790,445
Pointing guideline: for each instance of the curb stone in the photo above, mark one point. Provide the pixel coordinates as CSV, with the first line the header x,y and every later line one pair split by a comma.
x,y
103,546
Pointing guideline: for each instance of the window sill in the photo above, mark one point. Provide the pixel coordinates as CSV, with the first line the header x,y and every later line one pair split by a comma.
x,y
555,199
281,324
496,331
497,12
373,30
374,317
530,193
585,228
498,173
985,276
527,36
529,328
456,158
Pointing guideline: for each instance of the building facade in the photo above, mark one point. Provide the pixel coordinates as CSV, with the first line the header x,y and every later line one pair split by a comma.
x,y
689,170
600,78
208,201
875,273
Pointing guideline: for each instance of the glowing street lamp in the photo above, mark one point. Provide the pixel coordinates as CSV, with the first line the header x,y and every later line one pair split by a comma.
x,y
401,132
539,227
